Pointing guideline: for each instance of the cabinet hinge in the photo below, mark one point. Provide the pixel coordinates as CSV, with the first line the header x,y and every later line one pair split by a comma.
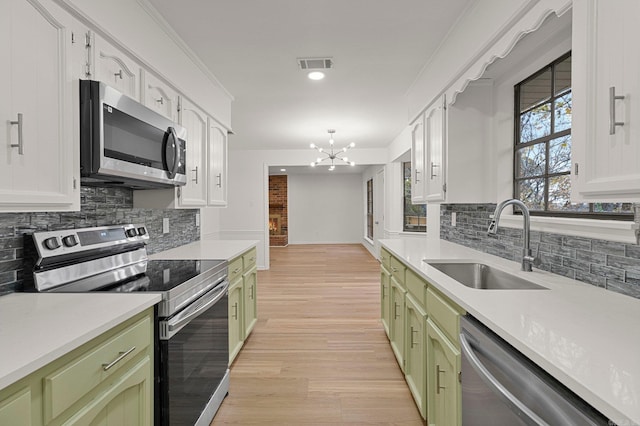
x,y
576,169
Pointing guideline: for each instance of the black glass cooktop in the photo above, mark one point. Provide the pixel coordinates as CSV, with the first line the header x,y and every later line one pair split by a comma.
x,y
163,275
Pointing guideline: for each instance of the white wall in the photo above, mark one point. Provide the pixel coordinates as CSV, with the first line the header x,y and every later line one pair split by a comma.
x,y
325,209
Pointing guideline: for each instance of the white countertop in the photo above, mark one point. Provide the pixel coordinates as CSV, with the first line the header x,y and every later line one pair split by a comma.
x,y
585,336
37,328
207,249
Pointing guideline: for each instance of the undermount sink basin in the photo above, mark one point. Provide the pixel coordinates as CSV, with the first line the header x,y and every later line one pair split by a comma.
x,y
485,277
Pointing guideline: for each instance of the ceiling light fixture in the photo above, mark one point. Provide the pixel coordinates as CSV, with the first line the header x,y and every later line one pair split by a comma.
x,y
316,75
331,154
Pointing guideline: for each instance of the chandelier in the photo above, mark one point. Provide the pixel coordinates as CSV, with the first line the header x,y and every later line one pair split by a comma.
x,y
331,154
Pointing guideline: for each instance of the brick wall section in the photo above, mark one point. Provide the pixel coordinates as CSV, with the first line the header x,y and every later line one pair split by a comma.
x,y
612,265
278,205
99,207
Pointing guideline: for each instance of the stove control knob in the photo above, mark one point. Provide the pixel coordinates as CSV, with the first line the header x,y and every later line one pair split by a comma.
x,y
131,232
70,241
51,243
142,231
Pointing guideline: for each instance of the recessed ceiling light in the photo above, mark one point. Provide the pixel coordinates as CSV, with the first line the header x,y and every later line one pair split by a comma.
x,y
316,75
283,170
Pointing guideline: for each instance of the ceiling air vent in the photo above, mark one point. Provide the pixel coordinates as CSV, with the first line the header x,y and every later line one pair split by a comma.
x,y
315,63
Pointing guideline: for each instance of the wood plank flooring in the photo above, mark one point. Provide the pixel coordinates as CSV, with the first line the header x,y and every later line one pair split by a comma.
x,y
318,354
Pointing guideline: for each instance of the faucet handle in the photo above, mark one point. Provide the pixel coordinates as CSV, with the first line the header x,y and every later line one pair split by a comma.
x,y
493,227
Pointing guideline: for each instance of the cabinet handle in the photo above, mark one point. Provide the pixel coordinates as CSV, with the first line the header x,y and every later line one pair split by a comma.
x,y
395,310
118,74
433,165
108,366
160,101
219,178
20,140
612,110
235,310
235,271
438,371
251,259
196,172
383,294
416,178
411,339
394,269
251,292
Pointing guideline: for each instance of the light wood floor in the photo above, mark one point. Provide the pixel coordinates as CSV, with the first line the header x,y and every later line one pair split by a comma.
x,y
318,354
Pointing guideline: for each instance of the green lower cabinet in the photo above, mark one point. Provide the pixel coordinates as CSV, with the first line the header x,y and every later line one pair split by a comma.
x,y
249,281
443,378
236,323
415,351
385,298
396,323
107,381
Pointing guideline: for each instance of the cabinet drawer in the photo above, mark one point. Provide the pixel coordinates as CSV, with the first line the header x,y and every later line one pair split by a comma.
x,y
445,314
417,287
235,268
397,269
385,258
249,259
71,382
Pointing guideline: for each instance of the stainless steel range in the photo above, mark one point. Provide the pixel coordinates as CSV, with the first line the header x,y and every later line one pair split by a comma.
x,y
192,376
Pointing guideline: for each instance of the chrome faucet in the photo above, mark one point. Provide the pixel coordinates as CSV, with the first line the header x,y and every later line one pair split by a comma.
x,y
527,259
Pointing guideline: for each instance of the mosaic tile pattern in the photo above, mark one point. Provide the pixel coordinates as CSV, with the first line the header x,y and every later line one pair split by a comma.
x,y
612,265
99,207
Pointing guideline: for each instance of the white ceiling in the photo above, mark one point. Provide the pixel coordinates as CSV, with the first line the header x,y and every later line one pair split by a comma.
x,y
378,48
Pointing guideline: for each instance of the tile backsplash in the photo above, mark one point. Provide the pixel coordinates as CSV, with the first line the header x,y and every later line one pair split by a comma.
x,y
99,206
612,265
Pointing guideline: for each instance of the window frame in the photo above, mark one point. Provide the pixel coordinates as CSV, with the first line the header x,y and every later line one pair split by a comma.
x,y
517,146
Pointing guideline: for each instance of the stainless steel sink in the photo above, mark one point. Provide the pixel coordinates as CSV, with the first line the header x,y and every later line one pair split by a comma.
x,y
481,276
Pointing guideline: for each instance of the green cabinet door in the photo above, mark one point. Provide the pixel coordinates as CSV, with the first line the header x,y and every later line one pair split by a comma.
x,y
443,385
236,327
249,281
15,406
414,355
396,323
385,298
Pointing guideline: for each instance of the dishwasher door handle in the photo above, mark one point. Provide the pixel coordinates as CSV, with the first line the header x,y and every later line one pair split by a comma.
x,y
517,406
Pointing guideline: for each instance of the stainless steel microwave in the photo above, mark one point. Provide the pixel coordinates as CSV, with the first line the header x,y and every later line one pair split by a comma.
x,y
123,143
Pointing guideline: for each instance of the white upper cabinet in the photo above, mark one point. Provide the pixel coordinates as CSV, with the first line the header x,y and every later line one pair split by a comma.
x,y
39,166
417,161
217,156
159,96
606,101
109,65
194,193
435,142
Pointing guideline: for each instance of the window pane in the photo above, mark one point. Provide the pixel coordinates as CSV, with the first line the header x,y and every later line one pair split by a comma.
x,y
535,123
560,195
560,155
531,160
536,90
563,75
612,208
531,192
562,108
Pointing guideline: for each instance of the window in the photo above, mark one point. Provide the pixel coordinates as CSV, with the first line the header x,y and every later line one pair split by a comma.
x,y
370,209
414,215
542,151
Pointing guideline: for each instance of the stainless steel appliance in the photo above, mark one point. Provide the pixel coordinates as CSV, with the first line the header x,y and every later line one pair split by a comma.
x,y
192,342
500,386
124,143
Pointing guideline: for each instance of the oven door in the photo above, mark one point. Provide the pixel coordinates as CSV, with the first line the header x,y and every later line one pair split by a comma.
x,y
194,358
122,139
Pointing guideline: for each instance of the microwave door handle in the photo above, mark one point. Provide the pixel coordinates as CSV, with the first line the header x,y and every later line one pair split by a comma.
x,y
176,156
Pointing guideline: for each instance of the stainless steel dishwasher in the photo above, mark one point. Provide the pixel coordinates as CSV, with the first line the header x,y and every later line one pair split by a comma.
x,y
500,386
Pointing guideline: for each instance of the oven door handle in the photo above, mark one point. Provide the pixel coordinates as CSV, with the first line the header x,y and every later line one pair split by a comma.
x,y
176,323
